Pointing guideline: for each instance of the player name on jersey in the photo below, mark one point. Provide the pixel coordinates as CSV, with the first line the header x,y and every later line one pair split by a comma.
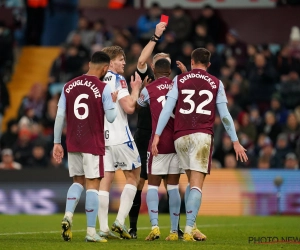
x,y
164,86
200,76
87,84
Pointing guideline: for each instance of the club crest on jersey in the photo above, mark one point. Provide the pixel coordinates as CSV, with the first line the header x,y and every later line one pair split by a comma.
x,y
123,84
142,97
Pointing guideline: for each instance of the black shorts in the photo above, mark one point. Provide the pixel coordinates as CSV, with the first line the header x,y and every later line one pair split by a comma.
x,y
141,138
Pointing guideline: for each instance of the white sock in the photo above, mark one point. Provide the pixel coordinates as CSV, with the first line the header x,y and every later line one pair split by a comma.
x,y
126,201
188,229
91,231
103,210
69,215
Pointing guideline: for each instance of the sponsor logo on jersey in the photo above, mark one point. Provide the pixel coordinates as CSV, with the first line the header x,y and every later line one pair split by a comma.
x,y
164,86
123,84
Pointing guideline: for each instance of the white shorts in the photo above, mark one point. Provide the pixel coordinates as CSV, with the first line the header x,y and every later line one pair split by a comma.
x,y
163,164
89,165
123,156
194,151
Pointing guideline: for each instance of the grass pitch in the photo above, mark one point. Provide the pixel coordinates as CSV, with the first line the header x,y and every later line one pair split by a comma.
x,y
43,233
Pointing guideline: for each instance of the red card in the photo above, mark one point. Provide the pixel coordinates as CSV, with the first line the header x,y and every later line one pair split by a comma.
x,y
164,19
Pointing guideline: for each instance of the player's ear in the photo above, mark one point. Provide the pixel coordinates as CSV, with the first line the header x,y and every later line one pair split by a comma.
x,y
104,70
170,71
152,67
208,65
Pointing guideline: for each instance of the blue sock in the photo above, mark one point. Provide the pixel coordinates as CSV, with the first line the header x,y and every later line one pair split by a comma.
x,y
174,205
73,197
152,203
193,205
91,207
186,194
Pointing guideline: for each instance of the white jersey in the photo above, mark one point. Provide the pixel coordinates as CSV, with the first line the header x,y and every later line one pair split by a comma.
x,y
117,132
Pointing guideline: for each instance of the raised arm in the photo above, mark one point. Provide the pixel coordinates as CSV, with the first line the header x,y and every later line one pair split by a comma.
x,y
147,51
109,100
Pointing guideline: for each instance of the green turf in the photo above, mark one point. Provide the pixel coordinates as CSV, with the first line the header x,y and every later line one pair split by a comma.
x,y
43,233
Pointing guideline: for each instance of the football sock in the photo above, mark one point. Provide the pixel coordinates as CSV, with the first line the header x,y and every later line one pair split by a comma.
x,y
103,197
73,197
135,210
126,201
91,210
152,203
186,194
193,205
174,206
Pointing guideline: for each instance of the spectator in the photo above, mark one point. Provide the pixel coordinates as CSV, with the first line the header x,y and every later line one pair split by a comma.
x,y
269,152
246,127
290,90
218,132
131,59
234,109
23,147
216,26
295,43
292,129
263,162
282,149
277,108
8,162
251,52
201,38
255,117
4,103
284,63
234,47
230,161
9,138
262,78
50,114
35,20
270,127
170,46
224,149
180,24
38,158
215,164
239,90
86,34
146,23
101,34
215,60
185,56
33,104
6,50
291,162
83,51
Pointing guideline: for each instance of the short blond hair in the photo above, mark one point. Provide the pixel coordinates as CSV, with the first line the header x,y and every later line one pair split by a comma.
x,y
160,56
114,51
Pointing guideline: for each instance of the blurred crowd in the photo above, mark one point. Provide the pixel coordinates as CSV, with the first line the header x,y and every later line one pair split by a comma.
x,y
262,85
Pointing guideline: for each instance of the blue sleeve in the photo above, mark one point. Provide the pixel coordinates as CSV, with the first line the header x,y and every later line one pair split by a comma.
x,y
165,115
227,121
144,98
221,96
174,91
62,100
110,115
59,124
106,98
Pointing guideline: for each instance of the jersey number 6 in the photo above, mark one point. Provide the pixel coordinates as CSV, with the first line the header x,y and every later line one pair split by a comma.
x,y
78,105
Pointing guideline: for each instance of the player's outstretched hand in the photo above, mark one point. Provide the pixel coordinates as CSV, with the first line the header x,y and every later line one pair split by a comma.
x,y
147,81
136,81
181,66
114,95
240,152
154,145
58,152
160,28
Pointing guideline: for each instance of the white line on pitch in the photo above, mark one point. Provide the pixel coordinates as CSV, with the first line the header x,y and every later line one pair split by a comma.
x,y
82,230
